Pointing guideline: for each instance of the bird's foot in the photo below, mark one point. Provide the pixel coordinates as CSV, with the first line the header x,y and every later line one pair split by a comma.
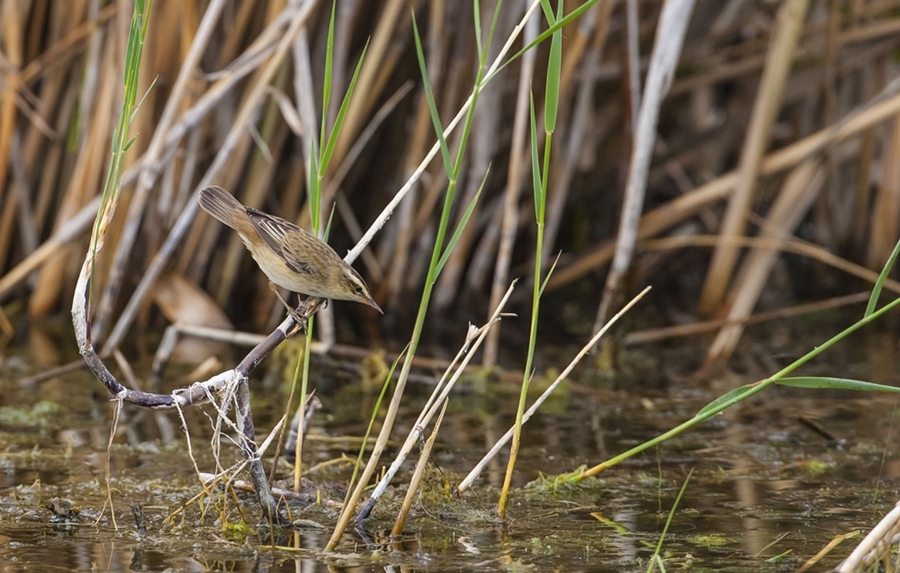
x,y
298,315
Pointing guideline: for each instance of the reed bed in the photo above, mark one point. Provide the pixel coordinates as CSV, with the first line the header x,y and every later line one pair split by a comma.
x,y
737,131
779,124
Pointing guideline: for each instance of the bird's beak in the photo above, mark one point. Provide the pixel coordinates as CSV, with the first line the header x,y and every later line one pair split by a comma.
x,y
371,302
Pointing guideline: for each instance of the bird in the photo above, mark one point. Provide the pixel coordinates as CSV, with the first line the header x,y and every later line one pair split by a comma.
x,y
291,257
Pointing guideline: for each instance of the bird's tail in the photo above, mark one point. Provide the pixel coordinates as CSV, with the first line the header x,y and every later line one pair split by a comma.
x,y
220,204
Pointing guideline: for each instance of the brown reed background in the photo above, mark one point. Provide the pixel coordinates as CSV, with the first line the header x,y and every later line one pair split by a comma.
x,y
819,158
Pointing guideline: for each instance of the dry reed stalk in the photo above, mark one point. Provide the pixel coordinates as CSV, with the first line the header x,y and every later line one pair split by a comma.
x,y
305,97
13,17
42,144
400,241
692,329
344,209
632,61
884,226
7,223
49,152
800,189
794,245
430,198
666,50
12,22
6,328
154,151
663,217
68,45
418,472
20,201
393,14
765,109
234,137
876,548
36,162
87,175
484,255
67,231
750,61
872,78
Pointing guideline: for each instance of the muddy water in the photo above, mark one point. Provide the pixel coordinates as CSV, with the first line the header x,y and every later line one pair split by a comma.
x,y
767,492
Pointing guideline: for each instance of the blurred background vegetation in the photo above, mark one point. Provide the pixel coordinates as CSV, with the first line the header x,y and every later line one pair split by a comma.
x,y
744,167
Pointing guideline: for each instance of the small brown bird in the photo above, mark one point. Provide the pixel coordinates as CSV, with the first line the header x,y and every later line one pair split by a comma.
x,y
291,257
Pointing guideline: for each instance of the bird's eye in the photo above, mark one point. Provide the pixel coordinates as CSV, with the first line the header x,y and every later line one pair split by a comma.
x,y
358,289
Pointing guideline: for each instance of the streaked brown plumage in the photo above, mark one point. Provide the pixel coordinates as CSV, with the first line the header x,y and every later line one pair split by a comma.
x,y
291,257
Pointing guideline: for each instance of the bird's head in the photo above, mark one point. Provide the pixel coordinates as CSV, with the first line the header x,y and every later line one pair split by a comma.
x,y
352,287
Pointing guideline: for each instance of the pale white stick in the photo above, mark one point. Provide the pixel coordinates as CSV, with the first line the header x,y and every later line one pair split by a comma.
x,y
390,207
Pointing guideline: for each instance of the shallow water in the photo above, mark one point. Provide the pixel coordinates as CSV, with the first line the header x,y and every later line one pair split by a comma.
x,y
767,492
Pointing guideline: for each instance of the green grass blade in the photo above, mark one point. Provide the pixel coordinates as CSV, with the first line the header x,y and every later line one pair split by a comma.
x,y
476,9
771,544
879,284
451,244
824,382
536,165
558,25
140,104
737,393
493,28
328,150
432,106
327,232
548,11
120,142
549,273
554,69
656,559
315,192
329,66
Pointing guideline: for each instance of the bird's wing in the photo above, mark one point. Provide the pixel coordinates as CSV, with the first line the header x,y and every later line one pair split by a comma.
x,y
273,231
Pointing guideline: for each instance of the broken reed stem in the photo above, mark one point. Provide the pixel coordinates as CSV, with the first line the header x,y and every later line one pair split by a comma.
x,y
479,467
416,479
438,396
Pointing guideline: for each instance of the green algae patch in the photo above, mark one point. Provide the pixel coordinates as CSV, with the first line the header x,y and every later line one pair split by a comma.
x,y
44,414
